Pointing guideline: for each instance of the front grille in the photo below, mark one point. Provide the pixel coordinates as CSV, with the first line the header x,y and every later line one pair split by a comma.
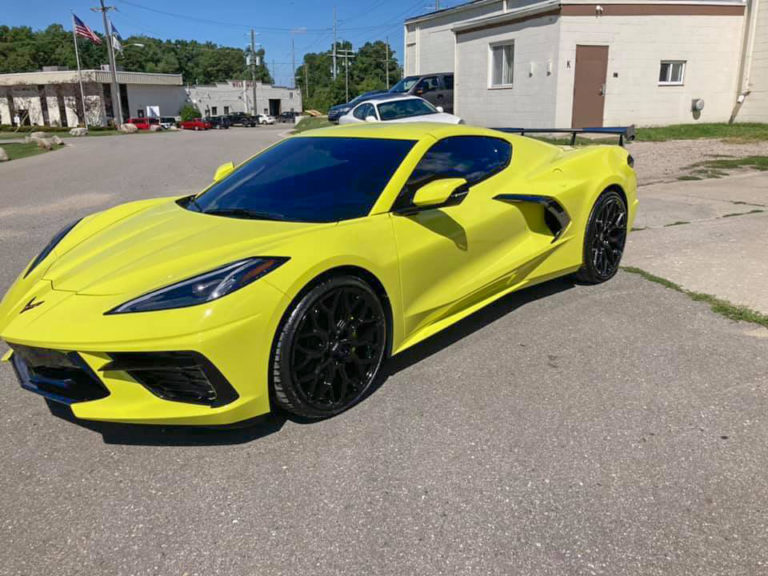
x,y
176,376
59,376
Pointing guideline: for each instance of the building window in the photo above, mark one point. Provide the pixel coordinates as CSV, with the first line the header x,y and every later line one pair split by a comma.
x,y
214,110
290,95
502,64
226,110
140,113
672,72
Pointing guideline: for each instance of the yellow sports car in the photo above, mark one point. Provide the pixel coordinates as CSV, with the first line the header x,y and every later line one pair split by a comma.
x,y
294,276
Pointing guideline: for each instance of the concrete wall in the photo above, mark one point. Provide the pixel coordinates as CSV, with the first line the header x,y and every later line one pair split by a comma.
x,y
709,44
755,108
238,96
531,99
429,45
169,98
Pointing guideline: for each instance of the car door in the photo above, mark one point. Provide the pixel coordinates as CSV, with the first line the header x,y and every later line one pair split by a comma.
x,y
453,257
428,88
445,96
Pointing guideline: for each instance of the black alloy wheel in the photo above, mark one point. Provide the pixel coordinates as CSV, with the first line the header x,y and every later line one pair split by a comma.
x,y
604,239
330,349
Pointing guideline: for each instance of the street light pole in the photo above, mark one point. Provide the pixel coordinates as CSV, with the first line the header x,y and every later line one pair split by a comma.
x,y
117,106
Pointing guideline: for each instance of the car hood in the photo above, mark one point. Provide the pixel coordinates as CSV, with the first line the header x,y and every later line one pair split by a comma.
x,y
162,244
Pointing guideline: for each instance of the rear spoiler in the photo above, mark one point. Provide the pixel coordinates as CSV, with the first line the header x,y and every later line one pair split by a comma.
x,y
625,133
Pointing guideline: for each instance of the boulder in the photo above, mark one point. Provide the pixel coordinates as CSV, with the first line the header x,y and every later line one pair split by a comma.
x,y
129,128
57,141
3,155
155,128
44,143
38,135
173,129
78,132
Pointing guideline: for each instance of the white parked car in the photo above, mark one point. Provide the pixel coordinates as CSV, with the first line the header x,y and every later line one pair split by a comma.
x,y
266,119
397,108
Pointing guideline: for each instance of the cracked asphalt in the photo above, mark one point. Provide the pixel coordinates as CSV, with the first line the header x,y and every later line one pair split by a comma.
x,y
613,429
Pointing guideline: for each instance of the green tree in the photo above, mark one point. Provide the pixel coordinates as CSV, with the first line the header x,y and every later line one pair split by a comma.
x,y
189,112
367,72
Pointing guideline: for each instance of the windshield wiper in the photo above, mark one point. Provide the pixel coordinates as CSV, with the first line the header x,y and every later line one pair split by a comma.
x,y
245,213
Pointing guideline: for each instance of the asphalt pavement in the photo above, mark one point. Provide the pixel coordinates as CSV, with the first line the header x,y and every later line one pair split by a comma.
x,y
612,429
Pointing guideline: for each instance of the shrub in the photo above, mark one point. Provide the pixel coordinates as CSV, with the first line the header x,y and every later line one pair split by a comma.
x,y
189,112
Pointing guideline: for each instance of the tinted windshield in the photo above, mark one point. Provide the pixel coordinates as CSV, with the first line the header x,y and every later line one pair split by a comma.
x,y
308,180
405,84
405,109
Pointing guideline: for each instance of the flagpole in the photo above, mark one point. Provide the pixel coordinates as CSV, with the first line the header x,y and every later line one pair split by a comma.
x,y
79,74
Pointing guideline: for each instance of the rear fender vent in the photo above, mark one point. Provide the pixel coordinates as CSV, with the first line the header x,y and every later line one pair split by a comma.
x,y
555,216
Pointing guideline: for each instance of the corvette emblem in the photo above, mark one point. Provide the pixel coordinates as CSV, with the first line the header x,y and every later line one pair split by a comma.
x,y
31,304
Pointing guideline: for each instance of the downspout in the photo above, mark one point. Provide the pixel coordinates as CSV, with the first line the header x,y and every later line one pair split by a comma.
x,y
746,57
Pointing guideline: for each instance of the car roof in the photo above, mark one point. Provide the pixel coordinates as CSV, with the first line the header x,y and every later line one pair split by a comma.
x,y
390,96
401,131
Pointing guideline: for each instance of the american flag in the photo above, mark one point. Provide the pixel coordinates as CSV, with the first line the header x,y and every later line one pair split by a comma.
x,y
82,30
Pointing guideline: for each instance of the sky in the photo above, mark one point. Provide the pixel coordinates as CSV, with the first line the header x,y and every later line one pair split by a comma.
x,y
308,22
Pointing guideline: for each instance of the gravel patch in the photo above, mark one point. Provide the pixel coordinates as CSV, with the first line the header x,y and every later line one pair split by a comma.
x,y
665,161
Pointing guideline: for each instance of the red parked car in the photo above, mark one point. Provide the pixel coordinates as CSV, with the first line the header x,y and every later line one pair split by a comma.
x,y
196,124
143,123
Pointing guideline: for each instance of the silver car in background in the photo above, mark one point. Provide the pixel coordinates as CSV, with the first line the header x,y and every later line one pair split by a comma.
x,y
396,108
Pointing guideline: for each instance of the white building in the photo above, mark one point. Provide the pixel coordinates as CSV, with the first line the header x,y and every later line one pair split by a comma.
x,y
224,98
541,63
52,97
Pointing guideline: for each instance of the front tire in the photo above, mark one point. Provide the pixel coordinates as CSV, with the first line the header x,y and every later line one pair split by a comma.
x,y
604,238
329,349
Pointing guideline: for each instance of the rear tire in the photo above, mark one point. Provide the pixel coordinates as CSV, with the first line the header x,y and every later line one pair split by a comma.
x,y
604,238
330,348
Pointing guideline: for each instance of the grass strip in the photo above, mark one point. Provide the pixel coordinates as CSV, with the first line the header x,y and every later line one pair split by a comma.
x,y
717,305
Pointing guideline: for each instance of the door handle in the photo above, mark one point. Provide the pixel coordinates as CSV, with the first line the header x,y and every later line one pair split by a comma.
x,y
602,89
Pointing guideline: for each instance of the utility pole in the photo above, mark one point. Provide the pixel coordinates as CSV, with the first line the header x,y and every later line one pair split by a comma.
x,y
386,61
334,42
117,107
293,60
437,4
253,70
346,54
306,80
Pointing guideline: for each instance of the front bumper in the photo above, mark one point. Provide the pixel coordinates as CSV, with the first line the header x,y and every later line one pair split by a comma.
x,y
217,338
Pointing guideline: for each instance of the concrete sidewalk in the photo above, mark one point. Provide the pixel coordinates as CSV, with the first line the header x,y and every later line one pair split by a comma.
x,y
708,236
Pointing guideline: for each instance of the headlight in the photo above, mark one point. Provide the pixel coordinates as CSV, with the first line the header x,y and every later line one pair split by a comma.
x,y
49,248
204,288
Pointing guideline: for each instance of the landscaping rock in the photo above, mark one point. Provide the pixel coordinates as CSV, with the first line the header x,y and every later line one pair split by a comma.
x,y
44,143
38,135
155,128
128,128
78,132
3,156
56,140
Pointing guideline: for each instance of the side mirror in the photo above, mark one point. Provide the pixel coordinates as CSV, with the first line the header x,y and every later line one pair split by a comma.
x,y
440,109
419,92
444,192
223,171
371,119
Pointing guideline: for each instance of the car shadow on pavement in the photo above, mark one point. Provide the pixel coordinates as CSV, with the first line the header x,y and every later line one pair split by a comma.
x,y
262,426
473,323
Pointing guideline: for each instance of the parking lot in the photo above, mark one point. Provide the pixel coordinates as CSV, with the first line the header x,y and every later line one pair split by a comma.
x,y
567,429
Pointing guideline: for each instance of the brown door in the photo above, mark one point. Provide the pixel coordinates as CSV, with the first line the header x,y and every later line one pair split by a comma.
x,y
589,86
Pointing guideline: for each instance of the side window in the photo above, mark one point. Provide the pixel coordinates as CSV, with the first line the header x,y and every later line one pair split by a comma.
x,y
427,84
473,158
363,111
448,81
